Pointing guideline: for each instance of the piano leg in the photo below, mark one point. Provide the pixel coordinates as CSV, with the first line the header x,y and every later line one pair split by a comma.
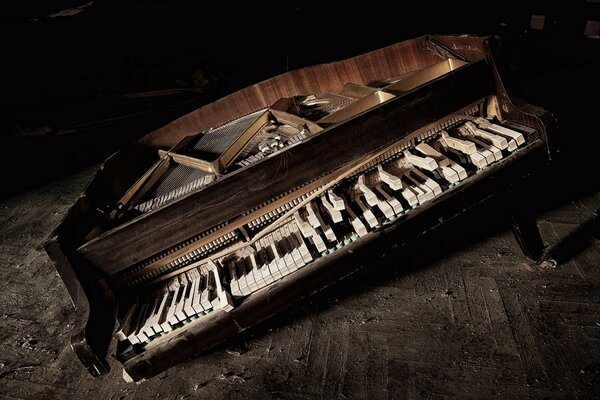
x,y
90,344
526,232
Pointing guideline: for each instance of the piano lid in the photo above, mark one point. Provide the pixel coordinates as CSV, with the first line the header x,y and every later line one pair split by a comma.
x,y
246,188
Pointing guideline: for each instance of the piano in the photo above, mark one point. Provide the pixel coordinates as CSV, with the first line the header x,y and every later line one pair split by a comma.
x,y
228,215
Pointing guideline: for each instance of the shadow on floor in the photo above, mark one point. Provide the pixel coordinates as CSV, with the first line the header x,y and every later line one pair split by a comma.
x,y
577,241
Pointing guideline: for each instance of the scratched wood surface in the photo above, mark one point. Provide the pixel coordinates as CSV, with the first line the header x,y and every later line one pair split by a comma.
x,y
464,316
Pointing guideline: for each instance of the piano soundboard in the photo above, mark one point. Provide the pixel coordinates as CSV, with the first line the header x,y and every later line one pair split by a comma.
x,y
234,219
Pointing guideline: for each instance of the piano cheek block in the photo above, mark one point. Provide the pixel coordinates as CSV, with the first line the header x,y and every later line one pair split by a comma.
x,y
234,218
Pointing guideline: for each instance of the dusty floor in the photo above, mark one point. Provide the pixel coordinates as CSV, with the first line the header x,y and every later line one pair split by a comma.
x,y
462,316
473,320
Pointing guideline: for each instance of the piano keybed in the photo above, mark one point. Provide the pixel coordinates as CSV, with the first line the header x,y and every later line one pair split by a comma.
x,y
319,222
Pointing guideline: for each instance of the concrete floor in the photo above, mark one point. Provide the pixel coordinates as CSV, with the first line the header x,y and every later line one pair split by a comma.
x,y
472,319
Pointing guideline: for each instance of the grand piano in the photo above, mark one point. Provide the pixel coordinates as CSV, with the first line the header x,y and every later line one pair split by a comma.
x,y
228,215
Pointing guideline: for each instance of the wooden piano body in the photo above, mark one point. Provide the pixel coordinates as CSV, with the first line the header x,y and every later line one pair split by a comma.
x,y
124,240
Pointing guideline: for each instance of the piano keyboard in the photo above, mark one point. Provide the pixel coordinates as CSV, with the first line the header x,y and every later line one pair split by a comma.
x,y
317,225
184,298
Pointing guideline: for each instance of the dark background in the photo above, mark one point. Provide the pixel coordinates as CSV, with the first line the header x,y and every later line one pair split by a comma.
x,y
79,80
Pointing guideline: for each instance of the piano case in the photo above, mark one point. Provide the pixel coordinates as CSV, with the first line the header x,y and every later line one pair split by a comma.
x,y
228,215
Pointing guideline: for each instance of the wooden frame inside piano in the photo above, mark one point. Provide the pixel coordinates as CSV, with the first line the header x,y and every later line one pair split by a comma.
x,y
358,116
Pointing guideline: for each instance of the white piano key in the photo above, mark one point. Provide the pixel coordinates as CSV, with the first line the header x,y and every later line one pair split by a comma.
x,y
512,145
506,132
385,208
429,151
145,334
279,255
292,254
152,325
179,309
304,251
272,259
357,224
478,160
239,285
497,141
449,174
318,241
205,298
312,218
293,247
141,335
491,148
392,201
441,146
165,326
444,163
329,233
489,157
392,181
366,213
250,278
269,263
426,163
305,228
225,298
287,251
197,298
187,290
239,273
372,198
458,144
421,194
213,295
233,283
153,316
427,190
253,268
410,194
261,264
127,323
337,201
433,185
462,173
261,269
173,314
139,320
335,215
145,311
406,192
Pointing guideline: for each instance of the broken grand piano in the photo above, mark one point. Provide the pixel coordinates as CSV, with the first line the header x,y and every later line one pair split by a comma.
x,y
226,216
